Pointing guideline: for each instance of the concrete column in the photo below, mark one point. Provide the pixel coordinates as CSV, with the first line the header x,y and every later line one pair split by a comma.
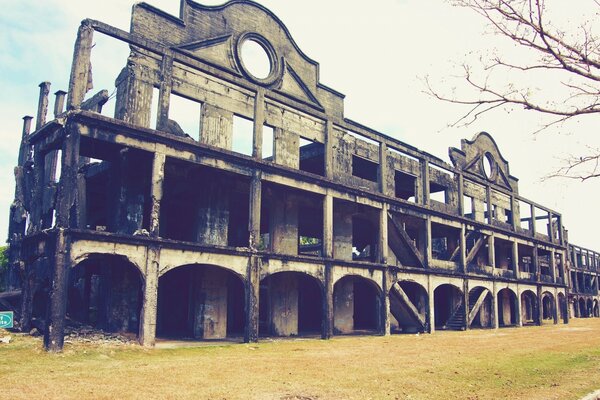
x,y
466,302
556,306
259,120
383,234
328,303
328,226
25,149
28,288
495,310
329,135
533,221
519,310
149,303
59,102
514,206
461,200
383,168
385,303
55,320
463,248
81,78
42,110
492,250
431,303
164,94
252,287
425,180
255,202
428,251
553,265
156,192
540,306
488,194
515,259
536,263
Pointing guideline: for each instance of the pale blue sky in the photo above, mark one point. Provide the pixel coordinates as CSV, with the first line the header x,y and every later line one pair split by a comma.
x,y
374,55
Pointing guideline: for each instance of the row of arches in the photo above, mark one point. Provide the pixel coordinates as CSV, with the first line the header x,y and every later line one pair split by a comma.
x,y
208,302
585,308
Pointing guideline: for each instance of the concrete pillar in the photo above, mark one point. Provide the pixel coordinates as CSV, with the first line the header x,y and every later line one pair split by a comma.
x,y
495,310
329,137
425,181
428,255
488,195
149,303
536,264
328,226
254,212
81,69
156,192
492,250
28,290
463,248
431,302
42,110
164,94
553,265
252,288
383,234
515,259
259,120
466,302
540,307
461,199
55,321
385,303
328,303
343,306
59,102
519,310
383,168
284,304
134,96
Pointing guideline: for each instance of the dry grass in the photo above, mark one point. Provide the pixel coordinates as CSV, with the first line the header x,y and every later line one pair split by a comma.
x,y
548,362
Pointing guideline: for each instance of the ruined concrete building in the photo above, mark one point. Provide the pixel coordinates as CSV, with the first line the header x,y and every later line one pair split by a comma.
x,y
321,226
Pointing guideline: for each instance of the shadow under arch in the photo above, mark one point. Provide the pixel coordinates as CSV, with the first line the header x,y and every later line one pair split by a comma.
x,y
449,307
200,302
290,304
480,313
356,305
548,307
409,306
507,308
529,308
106,292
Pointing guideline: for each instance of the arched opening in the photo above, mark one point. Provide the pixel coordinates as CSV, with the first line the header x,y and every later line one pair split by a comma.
x,y
449,308
356,305
105,292
562,308
548,305
589,308
290,305
200,302
529,309
581,307
480,308
507,308
596,311
409,307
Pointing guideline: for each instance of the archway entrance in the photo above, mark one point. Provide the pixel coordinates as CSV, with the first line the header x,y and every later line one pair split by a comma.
x,y
356,305
409,307
200,302
548,307
105,291
529,308
507,308
480,308
449,308
562,308
291,304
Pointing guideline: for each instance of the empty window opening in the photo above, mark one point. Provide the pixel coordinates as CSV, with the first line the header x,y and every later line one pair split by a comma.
x,y
310,230
542,221
256,59
544,262
525,215
438,192
477,249
184,116
154,108
363,138
503,254
526,259
311,156
445,241
468,206
486,213
267,142
405,186
365,169
58,167
364,237
243,134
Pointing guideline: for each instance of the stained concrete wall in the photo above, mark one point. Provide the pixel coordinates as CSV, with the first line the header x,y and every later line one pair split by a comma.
x,y
343,306
209,309
283,290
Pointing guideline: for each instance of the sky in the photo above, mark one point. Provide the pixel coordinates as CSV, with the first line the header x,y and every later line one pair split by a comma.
x,y
378,56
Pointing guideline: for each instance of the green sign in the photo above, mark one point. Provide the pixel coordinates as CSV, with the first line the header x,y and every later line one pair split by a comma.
x,y
6,319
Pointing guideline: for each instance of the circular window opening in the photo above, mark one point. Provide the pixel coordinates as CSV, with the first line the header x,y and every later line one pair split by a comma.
x,y
488,165
256,59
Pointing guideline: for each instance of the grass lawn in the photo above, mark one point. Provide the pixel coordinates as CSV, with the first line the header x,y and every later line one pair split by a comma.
x,y
547,362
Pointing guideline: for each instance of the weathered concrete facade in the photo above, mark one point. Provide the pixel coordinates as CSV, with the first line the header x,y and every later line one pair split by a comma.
x,y
340,229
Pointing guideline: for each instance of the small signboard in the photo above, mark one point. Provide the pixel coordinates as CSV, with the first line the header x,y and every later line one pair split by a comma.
x,y
6,319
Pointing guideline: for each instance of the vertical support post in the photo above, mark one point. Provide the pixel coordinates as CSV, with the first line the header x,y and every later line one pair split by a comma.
x,y
164,93
255,201
59,102
328,226
252,298
492,250
488,195
55,323
431,303
329,135
461,199
81,69
425,180
463,247
150,301
156,192
428,251
327,325
42,110
466,302
515,259
553,265
556,305
24,149
383,234
533,221
540,306
383,168
259,120
519,311
514,206
385,302
536,263
495,311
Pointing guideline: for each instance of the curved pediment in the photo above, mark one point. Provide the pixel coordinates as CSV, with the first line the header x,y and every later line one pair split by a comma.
x,y
481,157
217,34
